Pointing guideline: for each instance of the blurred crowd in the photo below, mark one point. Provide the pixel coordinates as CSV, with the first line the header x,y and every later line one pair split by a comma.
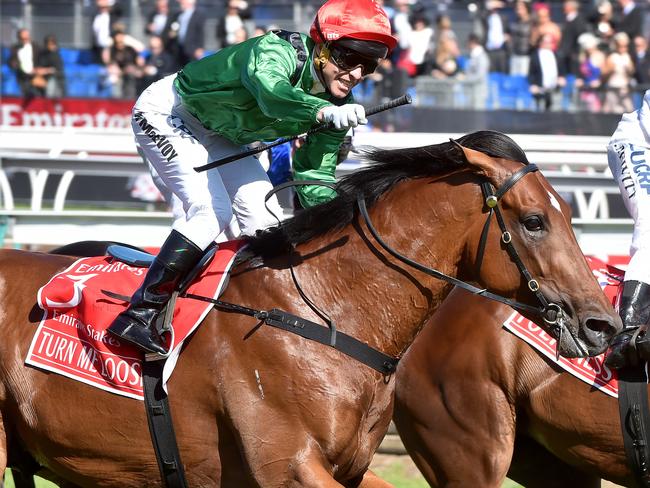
x,y
600,47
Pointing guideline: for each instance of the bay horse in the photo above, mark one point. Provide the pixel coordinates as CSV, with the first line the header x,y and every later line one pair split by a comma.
x,y
474,404
257,406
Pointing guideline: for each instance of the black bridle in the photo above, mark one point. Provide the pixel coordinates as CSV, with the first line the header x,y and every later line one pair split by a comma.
x,y
552,313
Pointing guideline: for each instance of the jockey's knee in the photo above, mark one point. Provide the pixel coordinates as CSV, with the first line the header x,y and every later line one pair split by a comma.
x,y
249,223
203,223
250,210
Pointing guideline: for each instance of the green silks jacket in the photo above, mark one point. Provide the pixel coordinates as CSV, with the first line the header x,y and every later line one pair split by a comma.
x,y
244,93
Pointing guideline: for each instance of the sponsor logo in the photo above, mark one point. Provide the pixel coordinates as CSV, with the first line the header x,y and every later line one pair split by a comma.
x,y
640,167
166,148
68,113
179,127
626,178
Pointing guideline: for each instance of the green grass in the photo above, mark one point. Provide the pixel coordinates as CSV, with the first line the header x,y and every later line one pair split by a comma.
x,y
397,473
40,482
402,473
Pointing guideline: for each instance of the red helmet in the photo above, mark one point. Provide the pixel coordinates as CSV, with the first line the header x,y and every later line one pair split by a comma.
x,y
357,19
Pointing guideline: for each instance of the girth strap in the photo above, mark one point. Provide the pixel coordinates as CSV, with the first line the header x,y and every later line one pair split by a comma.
x,y
328,336
635,420
161,426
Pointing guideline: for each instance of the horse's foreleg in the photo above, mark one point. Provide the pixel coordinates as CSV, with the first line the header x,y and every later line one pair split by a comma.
x,y
370,480
312,474
3,445
535,467
23,480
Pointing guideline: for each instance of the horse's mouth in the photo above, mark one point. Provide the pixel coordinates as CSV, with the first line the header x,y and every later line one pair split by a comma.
x,y
587,338
579,333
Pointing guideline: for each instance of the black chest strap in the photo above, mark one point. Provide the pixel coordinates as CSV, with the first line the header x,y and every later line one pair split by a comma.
x,y
295,40
635,421
328,336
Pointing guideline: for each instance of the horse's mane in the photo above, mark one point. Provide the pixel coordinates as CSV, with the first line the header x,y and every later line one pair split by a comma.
x,y
385,169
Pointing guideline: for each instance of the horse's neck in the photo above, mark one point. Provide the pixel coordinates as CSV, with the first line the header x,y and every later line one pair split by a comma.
x,y
372,295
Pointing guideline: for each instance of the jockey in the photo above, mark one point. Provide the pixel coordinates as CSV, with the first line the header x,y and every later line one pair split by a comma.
x,y
271,86
629,159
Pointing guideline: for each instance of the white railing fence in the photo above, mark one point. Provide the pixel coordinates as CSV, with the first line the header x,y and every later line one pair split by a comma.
x,y
575,165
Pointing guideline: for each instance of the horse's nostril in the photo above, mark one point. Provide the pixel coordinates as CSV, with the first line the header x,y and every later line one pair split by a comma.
x,y
605,327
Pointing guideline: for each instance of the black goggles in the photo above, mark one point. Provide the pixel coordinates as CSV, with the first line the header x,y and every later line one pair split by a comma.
x,y
348,60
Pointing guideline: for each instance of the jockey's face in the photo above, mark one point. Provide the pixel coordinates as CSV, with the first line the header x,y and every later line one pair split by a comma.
x,y
340,79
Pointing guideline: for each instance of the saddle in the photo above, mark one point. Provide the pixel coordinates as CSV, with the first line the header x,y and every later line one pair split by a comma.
x,y
142,259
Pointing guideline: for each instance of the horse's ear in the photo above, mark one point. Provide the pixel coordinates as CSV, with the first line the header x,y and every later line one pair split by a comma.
x,y
482,163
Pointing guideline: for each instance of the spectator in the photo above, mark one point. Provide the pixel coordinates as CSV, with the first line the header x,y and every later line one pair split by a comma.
x,y
128,39
158,63
101,29
592,62
186,33
444,32
123,67
543,75
50,66
259,30
241,35
604,25
159,19
402,28
420,44
445,59
568,50
495,26
389,82
631,19
543,25
228,26
641,63
446,50
618,74
23,60
477,70
520,32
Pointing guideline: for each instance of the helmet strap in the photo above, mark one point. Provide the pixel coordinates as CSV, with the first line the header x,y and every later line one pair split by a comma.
x,y
323,57
320,62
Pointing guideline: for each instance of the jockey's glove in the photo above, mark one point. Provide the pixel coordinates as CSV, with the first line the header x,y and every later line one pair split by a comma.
x,y
345,116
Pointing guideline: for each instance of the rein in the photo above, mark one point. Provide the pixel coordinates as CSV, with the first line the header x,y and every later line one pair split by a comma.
x,y
551,312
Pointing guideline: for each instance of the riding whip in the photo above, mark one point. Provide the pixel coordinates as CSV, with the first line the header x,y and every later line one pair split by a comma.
x,y
403,100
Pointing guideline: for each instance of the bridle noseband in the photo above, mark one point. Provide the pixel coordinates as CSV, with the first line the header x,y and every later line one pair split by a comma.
x,y
552,313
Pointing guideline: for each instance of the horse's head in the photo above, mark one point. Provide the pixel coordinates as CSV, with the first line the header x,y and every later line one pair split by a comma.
x,y
430,211
534,255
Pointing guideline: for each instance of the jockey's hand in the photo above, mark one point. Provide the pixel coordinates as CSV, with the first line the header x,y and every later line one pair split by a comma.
x,y
345,116
629,348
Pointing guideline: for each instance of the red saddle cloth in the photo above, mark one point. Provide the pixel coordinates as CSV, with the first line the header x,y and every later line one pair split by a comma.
x,y
590,370
72,340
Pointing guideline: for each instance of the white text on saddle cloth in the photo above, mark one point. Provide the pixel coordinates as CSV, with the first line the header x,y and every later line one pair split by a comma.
x,y
72,340
590,370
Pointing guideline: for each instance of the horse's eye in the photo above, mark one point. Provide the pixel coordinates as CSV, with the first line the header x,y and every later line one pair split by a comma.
x,y
534,223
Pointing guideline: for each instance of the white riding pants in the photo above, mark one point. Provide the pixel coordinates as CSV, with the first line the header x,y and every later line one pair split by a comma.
x,y
628,155
174,142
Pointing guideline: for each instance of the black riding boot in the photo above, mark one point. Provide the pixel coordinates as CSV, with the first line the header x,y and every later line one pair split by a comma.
x,y
136,324
634,310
